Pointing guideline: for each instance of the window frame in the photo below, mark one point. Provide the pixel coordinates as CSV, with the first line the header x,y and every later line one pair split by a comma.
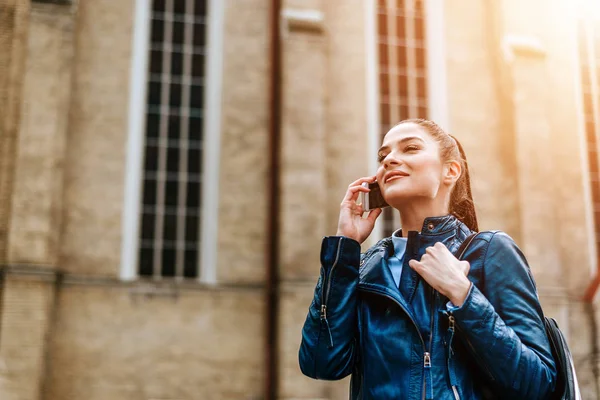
x,y
133,185
436,79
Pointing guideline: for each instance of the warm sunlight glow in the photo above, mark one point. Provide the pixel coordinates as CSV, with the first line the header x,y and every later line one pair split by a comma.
x,y
589,8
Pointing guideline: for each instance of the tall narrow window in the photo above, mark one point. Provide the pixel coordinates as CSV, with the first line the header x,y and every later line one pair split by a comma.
x,y
402,70
169,241
589,54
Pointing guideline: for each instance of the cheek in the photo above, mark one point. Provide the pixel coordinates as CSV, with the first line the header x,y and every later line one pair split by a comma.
x,y
427,165
379,174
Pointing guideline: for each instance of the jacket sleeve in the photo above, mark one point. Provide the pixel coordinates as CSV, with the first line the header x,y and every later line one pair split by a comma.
x,y
327,350
504,327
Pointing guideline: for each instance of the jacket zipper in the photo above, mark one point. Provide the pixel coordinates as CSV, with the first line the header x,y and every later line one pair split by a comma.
x,y
325,293
451,328
426,353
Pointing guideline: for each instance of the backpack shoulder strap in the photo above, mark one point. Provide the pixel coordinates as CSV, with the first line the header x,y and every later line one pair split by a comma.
x,y
464,246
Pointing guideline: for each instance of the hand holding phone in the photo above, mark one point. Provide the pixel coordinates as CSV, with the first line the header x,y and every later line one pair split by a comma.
x,y
373,199
351,223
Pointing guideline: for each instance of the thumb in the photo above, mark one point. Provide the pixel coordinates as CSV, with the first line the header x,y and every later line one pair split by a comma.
x,y
373,214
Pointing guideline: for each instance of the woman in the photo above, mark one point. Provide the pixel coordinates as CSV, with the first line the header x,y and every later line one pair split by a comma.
x,y
408,319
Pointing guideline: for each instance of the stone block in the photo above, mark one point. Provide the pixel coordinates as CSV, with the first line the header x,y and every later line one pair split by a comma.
x,y
136,343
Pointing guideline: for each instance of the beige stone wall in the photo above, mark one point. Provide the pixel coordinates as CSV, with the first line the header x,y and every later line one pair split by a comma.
x,y
35,229
471,50
137,343
14,22
244,143
27,303
95,160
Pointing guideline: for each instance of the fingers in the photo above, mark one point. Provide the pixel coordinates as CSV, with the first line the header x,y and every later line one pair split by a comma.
x,y
360,181
374,214
416,265
356,187
466,267
353,192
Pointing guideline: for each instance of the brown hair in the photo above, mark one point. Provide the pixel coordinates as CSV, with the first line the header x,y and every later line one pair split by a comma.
x,y
461,198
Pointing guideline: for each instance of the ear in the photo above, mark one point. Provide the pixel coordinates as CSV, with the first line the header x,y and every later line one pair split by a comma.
x,y
452,171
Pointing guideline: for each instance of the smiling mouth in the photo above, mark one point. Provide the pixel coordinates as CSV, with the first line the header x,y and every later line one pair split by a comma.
x,y
392,178
395,177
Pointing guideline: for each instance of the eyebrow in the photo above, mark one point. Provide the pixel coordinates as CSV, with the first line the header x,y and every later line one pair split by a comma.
x,y
403,140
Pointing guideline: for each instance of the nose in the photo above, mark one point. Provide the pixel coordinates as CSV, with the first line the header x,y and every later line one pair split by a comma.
x,y
390,161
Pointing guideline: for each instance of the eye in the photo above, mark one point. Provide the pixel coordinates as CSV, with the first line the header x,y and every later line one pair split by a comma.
x,y
412,147
381,157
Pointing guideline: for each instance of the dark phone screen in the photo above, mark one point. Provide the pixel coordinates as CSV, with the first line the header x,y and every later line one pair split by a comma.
x,y
375,198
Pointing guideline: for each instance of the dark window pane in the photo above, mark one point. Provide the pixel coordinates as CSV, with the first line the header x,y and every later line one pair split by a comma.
x,y
175,95
195,128
384,84
194,161
419,29
190,269
401,26
198,65
158,30
158,5
179,6
145,264
154,93
420,57
174,126
197,96
173,159
168,262
199,34
178,32
401,56
156,61
402,85
149,191
170,227
382,24
191,228
200,7
385,114
404,114
176,63
171,193
152,125
151,158
193,195
421,88
148,226
419,5
384,58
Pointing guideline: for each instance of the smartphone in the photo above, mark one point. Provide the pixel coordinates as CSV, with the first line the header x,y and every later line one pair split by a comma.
x,y
373,199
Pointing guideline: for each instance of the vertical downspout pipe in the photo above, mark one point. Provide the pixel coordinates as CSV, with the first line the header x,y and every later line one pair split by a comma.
x,y
273,212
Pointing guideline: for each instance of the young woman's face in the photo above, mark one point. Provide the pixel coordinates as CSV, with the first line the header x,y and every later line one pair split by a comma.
x,y
409,165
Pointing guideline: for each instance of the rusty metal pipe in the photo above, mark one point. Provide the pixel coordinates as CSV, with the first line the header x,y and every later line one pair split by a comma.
x,y
273,220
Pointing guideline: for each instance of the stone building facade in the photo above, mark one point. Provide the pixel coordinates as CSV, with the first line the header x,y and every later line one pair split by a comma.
x,y
134,198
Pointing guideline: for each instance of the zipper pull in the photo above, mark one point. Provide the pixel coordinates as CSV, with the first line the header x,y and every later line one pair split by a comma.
x,y
428,379
327,328
451,321
427,360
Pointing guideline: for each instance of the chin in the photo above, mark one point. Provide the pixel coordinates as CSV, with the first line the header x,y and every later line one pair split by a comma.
x,y
397,195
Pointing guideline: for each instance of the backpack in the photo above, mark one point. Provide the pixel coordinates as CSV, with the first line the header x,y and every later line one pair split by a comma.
x,y
567,387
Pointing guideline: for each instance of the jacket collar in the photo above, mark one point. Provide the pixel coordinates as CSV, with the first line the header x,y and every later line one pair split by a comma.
x,y
376,275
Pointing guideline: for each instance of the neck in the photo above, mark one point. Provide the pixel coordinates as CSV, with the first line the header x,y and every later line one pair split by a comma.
x,y
412,215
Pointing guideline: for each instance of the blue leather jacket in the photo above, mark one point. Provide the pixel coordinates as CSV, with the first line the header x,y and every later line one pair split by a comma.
x,y
421,347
